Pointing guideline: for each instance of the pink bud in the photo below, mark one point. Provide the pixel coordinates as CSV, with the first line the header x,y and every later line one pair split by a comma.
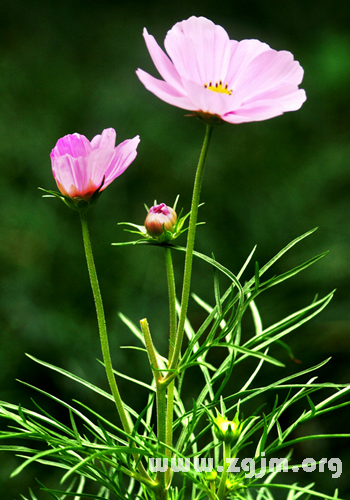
x,y
159,216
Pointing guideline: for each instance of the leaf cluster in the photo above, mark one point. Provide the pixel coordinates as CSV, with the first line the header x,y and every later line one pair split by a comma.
x,y
95,450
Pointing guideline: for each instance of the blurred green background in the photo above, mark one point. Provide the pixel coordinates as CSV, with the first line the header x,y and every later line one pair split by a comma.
x,y
70,67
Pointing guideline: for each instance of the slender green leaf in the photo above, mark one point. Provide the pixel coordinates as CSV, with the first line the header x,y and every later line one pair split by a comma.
x,y
285,249
305,490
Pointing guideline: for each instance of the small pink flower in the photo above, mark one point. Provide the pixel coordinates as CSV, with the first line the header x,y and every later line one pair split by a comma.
x,y
160,216
80,166
210,74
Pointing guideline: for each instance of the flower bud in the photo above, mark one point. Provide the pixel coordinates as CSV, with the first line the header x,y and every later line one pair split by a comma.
x,y
227,430
159,217
233,484
210,476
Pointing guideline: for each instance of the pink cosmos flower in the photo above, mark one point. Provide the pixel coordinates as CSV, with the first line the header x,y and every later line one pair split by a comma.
x,y
210,74
81,167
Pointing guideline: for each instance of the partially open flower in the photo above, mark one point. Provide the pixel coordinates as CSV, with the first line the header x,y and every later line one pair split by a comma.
x,y
160,217
82,168
222,79
227,430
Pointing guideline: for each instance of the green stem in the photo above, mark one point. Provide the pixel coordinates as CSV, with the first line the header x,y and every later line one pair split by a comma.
x,y
161,389
189,248
152,356
124,416
172,315
161,434
169,425
169,417
172,298
222,485
102,323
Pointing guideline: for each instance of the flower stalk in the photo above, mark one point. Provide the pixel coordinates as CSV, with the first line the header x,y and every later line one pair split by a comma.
x,y
161,390
172,298
222,486
173,323
124,417
189,248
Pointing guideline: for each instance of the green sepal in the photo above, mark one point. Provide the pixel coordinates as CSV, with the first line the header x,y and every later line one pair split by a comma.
x,y
75,203
55,194
208,118
166,235
227,430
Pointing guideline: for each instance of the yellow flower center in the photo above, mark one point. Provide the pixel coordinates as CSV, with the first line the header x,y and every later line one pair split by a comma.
x,y
218,87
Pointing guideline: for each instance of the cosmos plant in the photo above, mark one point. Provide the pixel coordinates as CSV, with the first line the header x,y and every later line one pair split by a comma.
x,y
158,454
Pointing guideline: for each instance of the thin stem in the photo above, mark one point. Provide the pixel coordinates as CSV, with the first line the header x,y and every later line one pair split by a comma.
x,y
152,356
124,417
189,248
169,425
161,434
172,316
172,298
226,465
161,389
169,417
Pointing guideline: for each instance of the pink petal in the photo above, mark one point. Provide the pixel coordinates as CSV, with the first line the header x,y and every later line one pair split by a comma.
x,y
105,140
254,112
269,70
124,155
97,165
199,49
165,91
242,53
206,100
68,172
287,94
161,61
293,101
73,144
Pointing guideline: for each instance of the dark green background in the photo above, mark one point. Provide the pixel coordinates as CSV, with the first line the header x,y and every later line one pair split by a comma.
x,y
70,67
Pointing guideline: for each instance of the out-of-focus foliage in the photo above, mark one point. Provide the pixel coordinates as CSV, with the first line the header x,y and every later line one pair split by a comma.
x,y
70,67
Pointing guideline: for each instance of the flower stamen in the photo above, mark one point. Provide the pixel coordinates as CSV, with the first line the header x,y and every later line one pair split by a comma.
x,y
218,87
